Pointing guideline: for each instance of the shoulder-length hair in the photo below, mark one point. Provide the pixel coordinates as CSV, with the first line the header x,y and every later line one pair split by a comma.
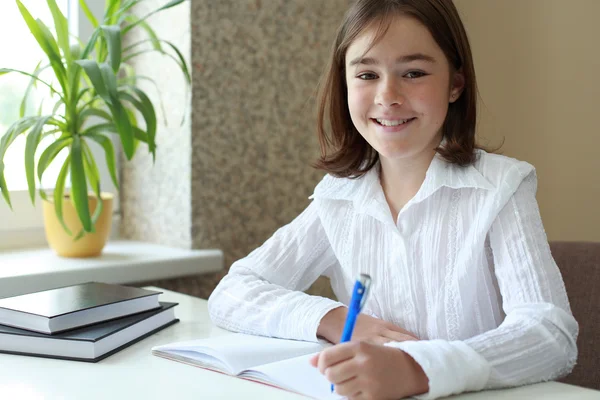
x,y
344,152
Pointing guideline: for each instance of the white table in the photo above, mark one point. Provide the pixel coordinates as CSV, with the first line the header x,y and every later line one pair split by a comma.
x,y
134,373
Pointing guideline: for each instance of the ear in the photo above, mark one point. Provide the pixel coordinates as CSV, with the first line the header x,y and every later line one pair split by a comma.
x,y
457,85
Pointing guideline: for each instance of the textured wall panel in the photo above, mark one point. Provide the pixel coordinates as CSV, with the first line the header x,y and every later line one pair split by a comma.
x,y
256,65
156,198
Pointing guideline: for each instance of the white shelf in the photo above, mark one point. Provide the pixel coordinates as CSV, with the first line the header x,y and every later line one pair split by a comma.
x,y
30,270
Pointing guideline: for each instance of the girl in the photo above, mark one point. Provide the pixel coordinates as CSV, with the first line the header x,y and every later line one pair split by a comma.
x,y
465,294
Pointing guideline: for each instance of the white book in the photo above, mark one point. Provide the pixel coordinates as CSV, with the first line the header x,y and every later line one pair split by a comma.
x,y
278,362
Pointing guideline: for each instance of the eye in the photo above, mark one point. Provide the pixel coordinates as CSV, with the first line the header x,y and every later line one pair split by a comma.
x,y
367,76
415,74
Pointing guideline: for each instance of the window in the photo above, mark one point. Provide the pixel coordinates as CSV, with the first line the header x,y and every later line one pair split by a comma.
x,y
23,53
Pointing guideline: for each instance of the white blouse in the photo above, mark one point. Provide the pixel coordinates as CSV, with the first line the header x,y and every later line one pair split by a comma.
x,y
466,267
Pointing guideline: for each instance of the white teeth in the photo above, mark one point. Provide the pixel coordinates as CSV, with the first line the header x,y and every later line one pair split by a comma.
x,y
386,122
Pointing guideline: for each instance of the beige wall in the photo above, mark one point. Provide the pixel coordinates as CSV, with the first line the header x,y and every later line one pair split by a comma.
x,y
538,65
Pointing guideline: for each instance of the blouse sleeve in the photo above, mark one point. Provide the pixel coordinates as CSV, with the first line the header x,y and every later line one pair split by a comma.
x,y
537,340
262,293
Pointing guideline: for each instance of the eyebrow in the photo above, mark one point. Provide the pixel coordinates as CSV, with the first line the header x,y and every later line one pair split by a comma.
x,y
400,60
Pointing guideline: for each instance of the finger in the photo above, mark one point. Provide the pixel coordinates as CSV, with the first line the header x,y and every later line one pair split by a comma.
x,y
349,388
342,371
333,355
314,360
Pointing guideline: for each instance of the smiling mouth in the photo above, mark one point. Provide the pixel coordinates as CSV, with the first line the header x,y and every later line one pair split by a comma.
x,y
387,122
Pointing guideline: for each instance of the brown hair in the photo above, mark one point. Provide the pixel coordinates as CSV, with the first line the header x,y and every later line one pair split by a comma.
x,y
344,152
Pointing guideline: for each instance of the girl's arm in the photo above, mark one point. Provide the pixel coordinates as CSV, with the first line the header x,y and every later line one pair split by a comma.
x,y
537,340
262,293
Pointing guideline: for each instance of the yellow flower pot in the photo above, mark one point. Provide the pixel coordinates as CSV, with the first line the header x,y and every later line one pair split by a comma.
x,y
91,244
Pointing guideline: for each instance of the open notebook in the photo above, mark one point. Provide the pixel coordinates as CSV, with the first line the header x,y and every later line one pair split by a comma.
x,y
278,362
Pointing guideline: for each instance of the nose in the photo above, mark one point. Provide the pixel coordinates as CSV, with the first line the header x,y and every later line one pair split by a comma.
x,y
389,93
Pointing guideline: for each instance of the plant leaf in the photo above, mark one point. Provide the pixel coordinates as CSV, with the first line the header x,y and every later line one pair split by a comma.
x,y
145,107
50,153
42,35
97,212
111,7
3,187
82,93
92,112
57,105
92,70
151,34
109,152
79,194
133,118
120,118
62,30
94,178
170,4
112,35
179,60
90,166
133,80
39,110
91,43
59,192
13,131
140,135
43,194
96,112
88,13
109,127
7,70
33,139
55,58
110,80
123,124
36,73
74,81
150,120
182,63
7,139
121,14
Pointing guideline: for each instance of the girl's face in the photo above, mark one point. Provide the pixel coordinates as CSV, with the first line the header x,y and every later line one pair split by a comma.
x,y
399,91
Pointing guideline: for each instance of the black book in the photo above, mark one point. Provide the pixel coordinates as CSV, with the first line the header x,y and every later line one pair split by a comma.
x,y
57,310
91,343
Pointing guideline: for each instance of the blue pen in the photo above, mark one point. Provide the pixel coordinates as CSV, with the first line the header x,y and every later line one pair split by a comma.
x,y
359,296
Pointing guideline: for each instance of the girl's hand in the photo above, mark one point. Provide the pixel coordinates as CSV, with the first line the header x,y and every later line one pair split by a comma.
x,y
367,328
363,370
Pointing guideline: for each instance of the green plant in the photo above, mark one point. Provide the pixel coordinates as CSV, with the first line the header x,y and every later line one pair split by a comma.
x,y
95,82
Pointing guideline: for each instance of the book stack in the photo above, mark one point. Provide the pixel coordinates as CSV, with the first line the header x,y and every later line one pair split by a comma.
x,y
86,322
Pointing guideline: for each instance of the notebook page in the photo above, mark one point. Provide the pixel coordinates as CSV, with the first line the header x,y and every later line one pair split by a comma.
x,y
239,351
295,374
194,359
